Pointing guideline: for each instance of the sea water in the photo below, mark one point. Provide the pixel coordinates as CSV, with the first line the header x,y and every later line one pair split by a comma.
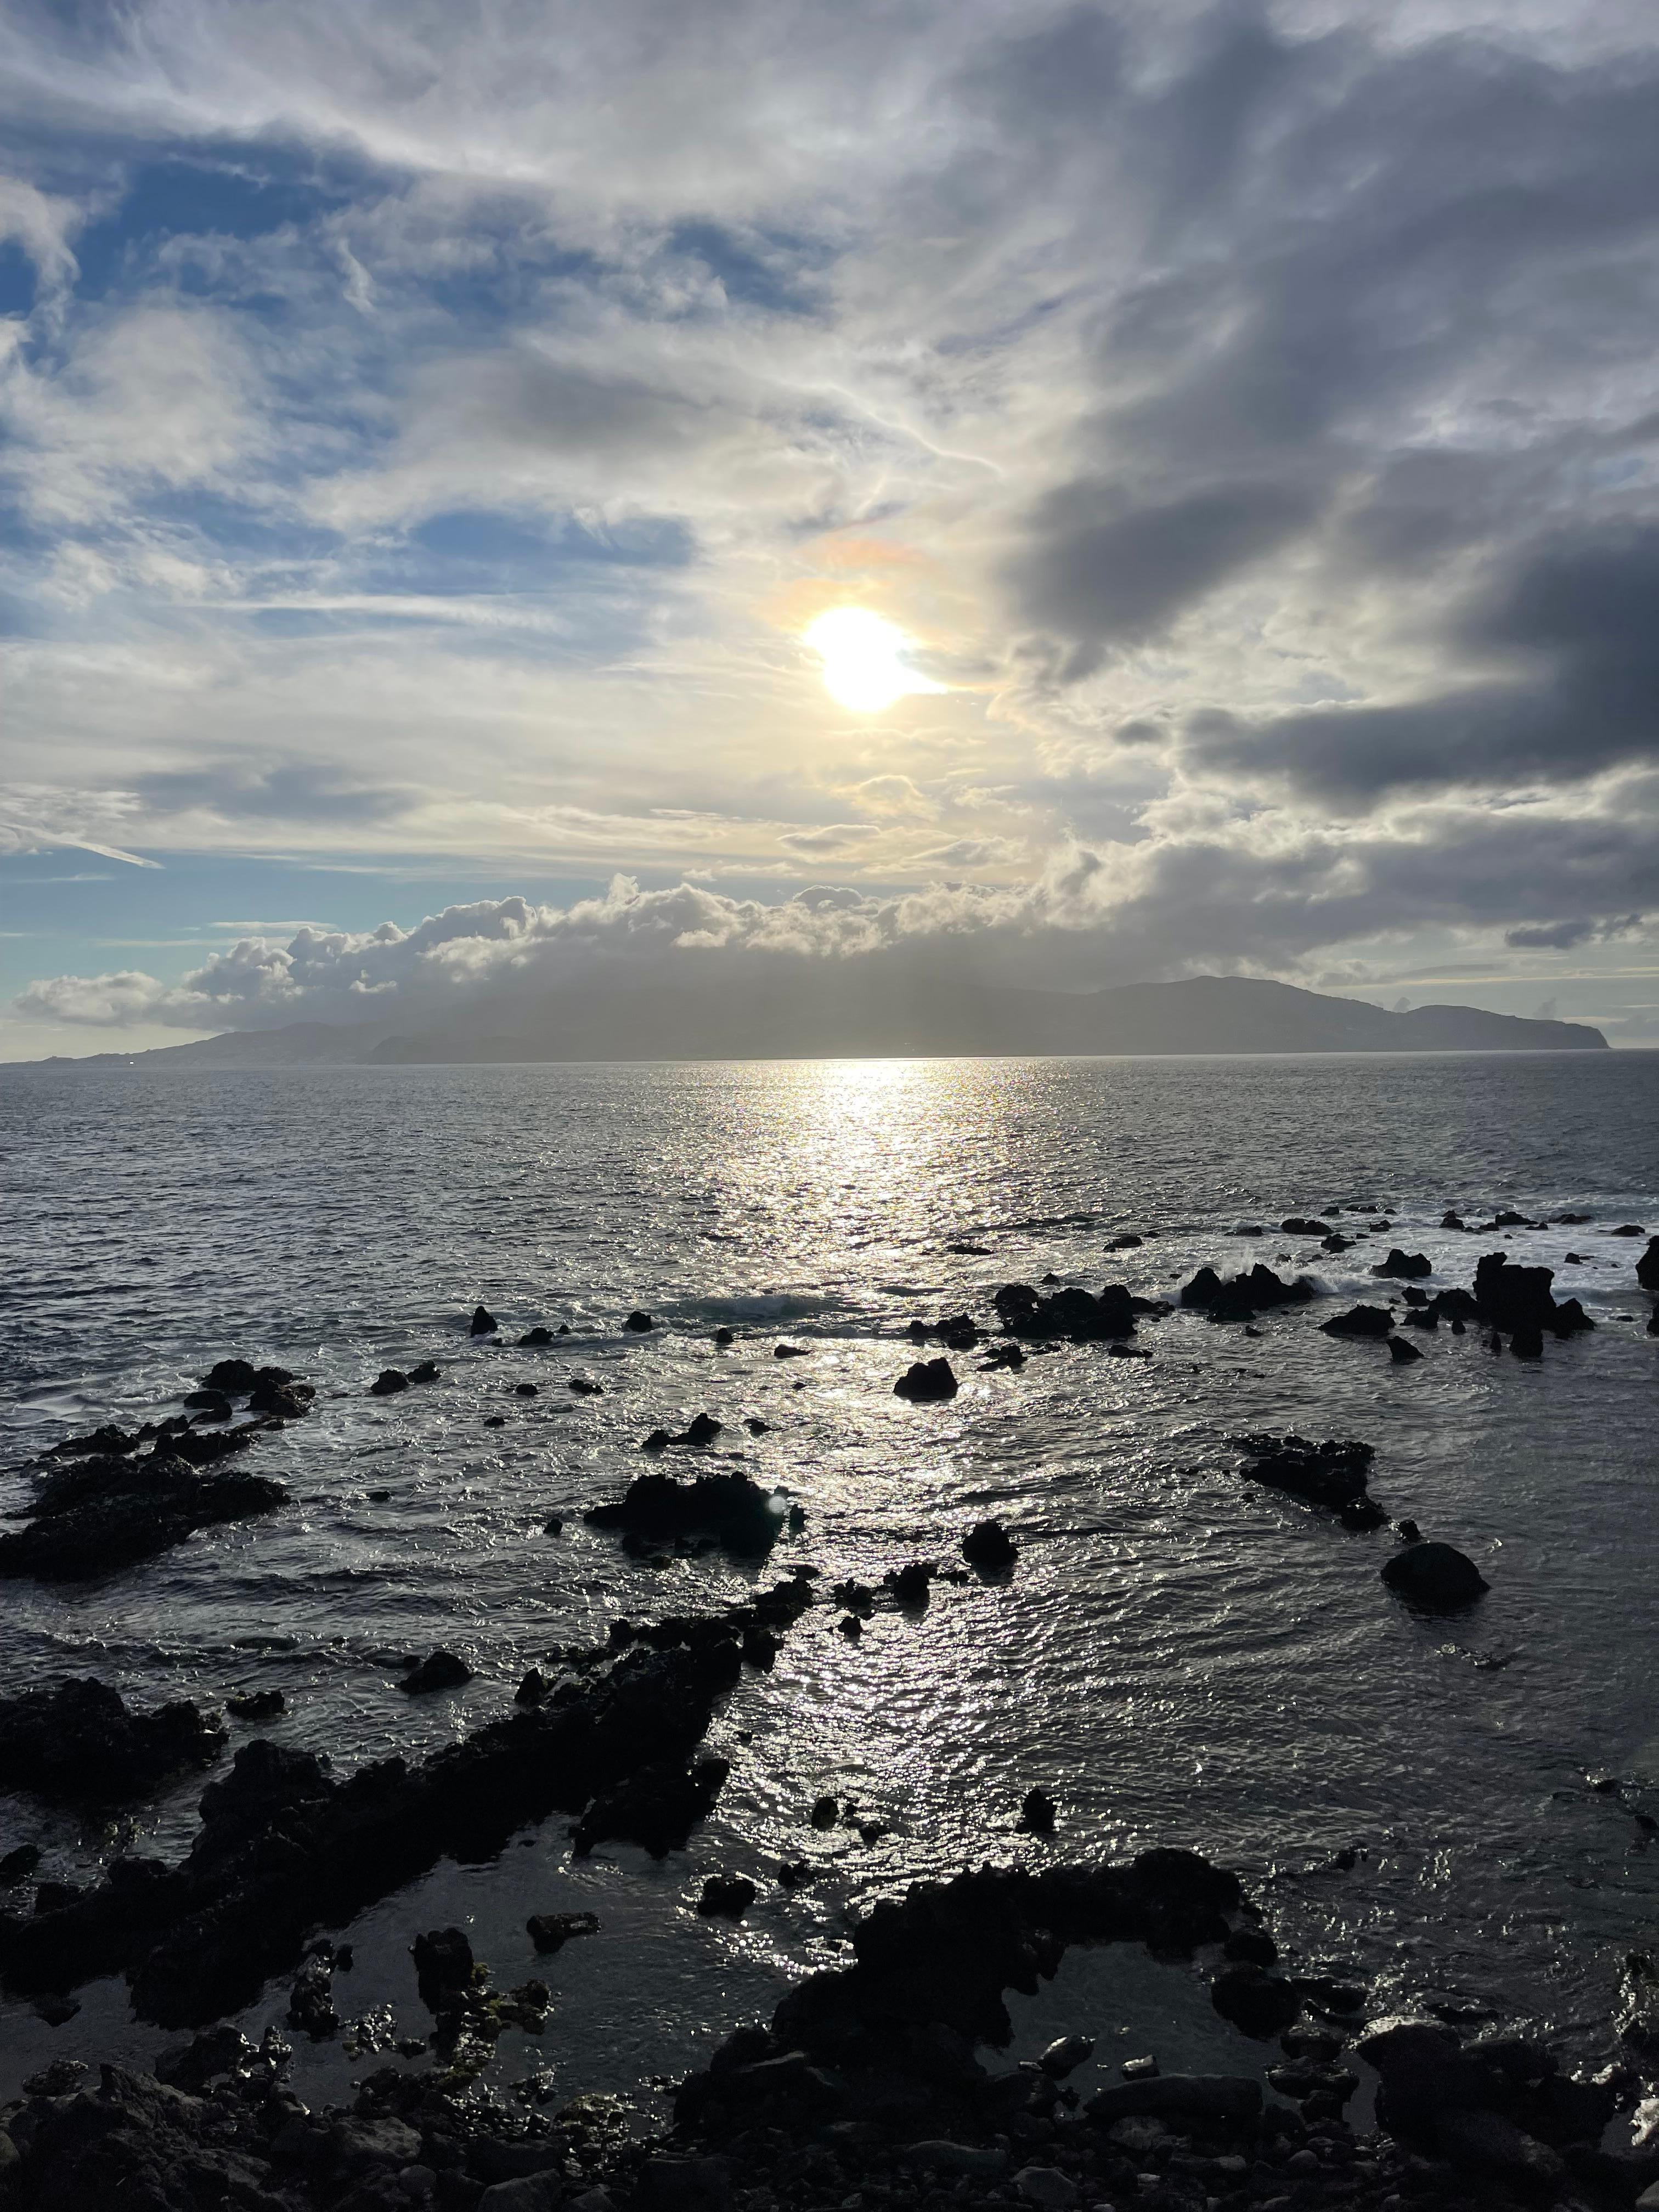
x,y
1182,1657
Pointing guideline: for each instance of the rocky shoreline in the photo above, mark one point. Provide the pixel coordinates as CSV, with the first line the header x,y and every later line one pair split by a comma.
x,y
870,2087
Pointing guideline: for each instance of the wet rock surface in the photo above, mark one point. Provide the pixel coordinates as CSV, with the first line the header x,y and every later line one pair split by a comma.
x,y
729,1510
104,1513
283,1849
77,1743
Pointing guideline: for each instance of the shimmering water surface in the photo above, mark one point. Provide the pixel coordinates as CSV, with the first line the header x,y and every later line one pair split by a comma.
x,y
1182,1657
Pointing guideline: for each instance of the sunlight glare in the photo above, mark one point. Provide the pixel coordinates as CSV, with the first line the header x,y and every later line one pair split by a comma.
x,y
863,656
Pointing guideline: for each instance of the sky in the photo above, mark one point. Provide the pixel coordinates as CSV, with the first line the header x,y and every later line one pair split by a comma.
x,y
1221,436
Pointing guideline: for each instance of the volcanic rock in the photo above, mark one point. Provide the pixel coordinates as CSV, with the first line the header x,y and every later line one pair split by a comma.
x,y
726,1897
388,1382
77,1744
655,1508
1245,1296
926,1382
1071,1313
485,1322
988,1547
1402,1351
1406,1265
1260,2003
439,1670
551,1931
255,1704
1359,1321
101,1514
1436,1577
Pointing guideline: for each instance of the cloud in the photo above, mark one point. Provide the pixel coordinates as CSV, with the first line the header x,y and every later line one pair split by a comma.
x,y
1091,916
425,438
1574,619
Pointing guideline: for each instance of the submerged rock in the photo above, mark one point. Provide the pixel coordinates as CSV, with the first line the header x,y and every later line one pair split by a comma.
x,y
388,1382
640,1323
77,1743
536,1335
1436,1577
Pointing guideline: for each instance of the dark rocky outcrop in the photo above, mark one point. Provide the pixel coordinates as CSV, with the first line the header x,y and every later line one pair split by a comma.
x,y
103,1514
729,1509
927,1382
1408,1266
988,1547
1436,1577
388,1382
1245,1296
483,1323
1359,1321
1262,2004
702,1429
1510,1297
255,1704
283,1849
77,1743
1332,1474
1072,1315
1403,1352
727,1897
1647,1268
639,1322
551,1931
439,1670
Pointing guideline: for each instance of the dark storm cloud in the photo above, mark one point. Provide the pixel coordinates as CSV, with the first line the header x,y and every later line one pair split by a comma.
x,y
1336,245
1578,620
1100,572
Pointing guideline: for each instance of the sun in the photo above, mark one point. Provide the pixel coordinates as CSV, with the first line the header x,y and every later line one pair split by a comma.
x,y
864,659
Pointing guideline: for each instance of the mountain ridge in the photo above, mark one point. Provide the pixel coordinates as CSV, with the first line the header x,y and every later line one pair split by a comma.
x,y
849,1011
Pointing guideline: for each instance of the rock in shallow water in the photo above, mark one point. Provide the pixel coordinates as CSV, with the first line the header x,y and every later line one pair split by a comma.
x,y
78,1744
1436,1577
926,1382
439,1670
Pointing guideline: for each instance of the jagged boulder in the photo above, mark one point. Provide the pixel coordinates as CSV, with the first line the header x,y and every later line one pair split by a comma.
x,y
927,1382
1359,1321
1260,1290
1407,1266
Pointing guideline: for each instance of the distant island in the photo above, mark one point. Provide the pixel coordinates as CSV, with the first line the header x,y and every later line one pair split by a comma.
x,y
864,1010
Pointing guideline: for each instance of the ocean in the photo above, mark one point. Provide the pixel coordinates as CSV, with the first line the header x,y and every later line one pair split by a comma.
x,y
1181,1656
